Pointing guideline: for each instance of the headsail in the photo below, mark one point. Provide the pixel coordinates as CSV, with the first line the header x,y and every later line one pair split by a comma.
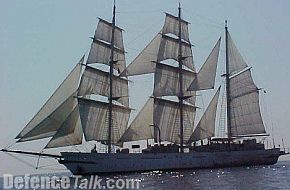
x,y
206,126
50,125
60,104
70,133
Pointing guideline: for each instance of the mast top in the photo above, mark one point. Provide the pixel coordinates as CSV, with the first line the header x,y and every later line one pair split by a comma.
x,y
226,24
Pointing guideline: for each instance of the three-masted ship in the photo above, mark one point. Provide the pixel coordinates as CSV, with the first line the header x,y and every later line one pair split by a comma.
x,y
93,102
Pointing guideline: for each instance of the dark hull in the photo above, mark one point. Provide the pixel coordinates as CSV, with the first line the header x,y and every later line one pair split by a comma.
x,y
100,163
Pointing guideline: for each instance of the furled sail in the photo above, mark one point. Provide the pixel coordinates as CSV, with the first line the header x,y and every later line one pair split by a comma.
x,y
205,78
94,119
100,51
95,81
245,113
59,105
70,133
237,63
141,127
206,126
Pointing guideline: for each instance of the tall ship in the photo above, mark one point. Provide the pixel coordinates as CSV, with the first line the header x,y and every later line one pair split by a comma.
x,y
92,105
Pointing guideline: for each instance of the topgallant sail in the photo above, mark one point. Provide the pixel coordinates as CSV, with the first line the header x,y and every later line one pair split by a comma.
x,y
78,109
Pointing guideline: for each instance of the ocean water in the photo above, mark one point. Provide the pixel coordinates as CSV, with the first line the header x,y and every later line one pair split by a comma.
x,y
241,178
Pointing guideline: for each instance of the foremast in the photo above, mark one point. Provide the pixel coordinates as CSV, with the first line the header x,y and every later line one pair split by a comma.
x,y
78,107
180,79
111,80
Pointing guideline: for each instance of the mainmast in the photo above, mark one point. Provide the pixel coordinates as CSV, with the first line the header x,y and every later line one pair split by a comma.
x,y
228,96
111,80
180,97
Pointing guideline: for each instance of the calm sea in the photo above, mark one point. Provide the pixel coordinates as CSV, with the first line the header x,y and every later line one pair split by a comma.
x,y
248,178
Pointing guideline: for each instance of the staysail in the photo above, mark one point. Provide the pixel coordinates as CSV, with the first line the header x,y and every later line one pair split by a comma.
x,y
205,78
50,117
163,114
141,127
206,126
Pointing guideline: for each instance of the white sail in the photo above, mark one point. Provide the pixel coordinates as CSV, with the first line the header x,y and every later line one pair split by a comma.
x,y
100,52
205,78
95,81
245,110
166,82
104,32
141,127
237,63
145,62
166,117
206,126
94,119
49,126
163,47
242,84
171,26
169,49
70,133
63,92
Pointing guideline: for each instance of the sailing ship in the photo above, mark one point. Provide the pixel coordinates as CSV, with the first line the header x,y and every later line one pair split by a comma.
x,y
75,110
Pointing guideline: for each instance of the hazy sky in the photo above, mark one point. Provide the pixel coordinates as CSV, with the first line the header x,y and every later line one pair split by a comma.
x,y
41,41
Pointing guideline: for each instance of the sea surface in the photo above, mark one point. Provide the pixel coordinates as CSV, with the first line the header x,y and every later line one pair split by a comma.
x,y
245,178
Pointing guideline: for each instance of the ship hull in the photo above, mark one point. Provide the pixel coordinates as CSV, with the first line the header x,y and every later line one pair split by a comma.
x,y
99,163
